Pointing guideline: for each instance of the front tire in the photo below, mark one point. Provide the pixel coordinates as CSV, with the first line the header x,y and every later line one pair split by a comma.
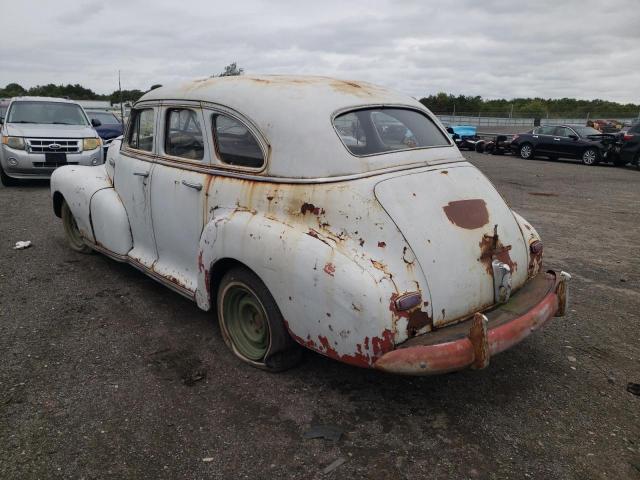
x,y
251,323
6,180
71,231
526,151
590,156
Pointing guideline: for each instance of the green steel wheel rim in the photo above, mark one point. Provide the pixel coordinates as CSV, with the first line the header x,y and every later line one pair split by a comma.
x,y
246,322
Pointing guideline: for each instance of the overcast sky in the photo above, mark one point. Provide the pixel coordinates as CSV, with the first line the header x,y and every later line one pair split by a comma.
x,y
497,49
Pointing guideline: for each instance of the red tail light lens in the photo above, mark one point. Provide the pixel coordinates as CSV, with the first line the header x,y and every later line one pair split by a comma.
x,y
627,136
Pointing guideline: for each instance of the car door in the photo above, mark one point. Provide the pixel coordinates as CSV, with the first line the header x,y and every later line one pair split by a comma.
x,y
178,193
132,180
563,144
543,139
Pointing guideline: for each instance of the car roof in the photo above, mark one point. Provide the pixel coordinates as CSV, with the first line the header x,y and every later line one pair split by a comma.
x,y
294,114
43,99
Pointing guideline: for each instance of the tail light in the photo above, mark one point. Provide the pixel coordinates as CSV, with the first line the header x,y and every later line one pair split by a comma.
x,y
627,137
408,301
515,137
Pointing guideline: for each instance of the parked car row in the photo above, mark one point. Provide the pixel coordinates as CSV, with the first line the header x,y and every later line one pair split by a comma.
x,y
584,143
40,134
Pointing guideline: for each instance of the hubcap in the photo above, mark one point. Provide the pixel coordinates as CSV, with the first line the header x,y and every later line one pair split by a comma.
x,y
589,157
525,151
245,321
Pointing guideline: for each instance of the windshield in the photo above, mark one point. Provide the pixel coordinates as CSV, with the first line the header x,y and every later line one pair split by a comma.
x,y
46,113
379,130
586,131
105,118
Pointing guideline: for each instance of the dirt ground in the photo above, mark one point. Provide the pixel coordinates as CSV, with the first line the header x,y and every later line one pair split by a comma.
x,y
106,374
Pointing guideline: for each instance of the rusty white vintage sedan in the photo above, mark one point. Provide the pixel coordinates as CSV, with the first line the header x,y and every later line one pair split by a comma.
x,y
315,212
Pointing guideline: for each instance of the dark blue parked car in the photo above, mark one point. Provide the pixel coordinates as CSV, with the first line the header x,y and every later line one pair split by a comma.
x,y
110,126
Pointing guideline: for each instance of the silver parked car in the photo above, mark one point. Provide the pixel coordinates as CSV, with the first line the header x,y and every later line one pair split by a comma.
x,y
40,134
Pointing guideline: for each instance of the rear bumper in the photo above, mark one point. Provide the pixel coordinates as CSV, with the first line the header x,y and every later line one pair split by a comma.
x,y
473,342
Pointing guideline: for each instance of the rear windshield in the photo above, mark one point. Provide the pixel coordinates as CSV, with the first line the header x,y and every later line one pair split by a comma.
x,y
47,113
379,130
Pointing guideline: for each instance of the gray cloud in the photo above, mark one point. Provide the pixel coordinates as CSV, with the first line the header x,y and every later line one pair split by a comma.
x,y
493,48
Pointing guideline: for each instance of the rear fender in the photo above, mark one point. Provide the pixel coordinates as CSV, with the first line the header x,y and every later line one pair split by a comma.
x,y
331,303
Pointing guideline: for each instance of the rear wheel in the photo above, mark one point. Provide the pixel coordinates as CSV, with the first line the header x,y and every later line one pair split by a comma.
x,y
590,156
74,237
6,180
251,323
526,151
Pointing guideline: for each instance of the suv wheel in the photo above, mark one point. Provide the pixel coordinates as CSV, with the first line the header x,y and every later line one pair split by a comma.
x,y
590,156
526,151
6,180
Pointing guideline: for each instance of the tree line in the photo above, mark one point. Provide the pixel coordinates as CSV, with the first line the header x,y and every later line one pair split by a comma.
x,y
446,103
78,92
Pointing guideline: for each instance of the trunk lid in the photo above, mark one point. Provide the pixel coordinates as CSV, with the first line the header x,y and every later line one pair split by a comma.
x,y
450,218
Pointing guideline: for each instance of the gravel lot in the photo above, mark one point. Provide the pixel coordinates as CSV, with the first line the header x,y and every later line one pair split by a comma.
x,y
99,366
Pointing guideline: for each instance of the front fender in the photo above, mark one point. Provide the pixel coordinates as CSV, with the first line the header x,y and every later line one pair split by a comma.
x,y
77,185
331,303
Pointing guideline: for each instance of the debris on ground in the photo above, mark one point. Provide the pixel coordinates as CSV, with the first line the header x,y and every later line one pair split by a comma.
x,y
333,465
207,459
22,244
328,432
633,388
571,358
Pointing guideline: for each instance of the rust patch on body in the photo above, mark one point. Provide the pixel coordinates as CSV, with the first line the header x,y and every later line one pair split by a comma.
x,y
382,244
329,269
311,208
492,248
469,214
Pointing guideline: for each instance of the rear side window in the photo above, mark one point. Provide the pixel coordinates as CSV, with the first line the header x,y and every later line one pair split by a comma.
x,y
378,130
183,134
234,142
141,130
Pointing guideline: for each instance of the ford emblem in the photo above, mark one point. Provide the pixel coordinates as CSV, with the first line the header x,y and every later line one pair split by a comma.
x,y
55,146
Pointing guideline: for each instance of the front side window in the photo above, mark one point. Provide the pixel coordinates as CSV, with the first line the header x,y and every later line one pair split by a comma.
x,y
235,144
141,130
545,130
183,134
51,113
379,130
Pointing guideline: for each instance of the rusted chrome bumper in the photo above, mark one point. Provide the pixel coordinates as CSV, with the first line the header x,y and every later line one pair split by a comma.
x,y
473,342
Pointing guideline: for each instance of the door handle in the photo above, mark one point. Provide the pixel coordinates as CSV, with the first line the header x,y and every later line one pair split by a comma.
x,y
141,174
197,186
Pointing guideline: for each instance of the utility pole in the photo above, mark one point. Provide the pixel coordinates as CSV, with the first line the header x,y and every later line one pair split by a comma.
x,y
121,104
511,112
